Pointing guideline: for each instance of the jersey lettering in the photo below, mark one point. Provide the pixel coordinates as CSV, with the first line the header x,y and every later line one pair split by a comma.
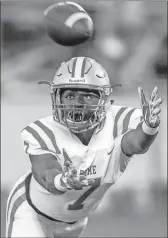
x,y
78,204
91,170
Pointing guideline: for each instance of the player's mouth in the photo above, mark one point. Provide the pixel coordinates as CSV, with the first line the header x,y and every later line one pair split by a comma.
x,y
76,116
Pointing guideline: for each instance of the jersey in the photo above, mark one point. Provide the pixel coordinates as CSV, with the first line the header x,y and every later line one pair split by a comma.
x,y
102,159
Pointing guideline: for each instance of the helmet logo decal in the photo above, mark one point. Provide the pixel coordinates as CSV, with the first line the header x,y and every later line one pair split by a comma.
x,y
80,66
101,73
85,67
72,72
77,80
73,68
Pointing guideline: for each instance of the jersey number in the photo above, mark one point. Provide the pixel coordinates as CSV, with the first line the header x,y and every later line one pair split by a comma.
x,y
78,204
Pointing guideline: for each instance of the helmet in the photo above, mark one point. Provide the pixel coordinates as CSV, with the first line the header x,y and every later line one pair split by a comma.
x,y
80,73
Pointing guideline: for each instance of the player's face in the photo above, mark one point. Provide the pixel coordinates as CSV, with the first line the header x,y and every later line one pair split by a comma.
x,y
80,104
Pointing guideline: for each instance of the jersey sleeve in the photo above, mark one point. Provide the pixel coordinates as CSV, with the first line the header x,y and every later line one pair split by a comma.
x,y
125,119
33,146
39,139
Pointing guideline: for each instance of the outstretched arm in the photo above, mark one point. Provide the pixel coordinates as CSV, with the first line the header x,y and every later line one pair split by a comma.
x,y
49,173
138,141
45,168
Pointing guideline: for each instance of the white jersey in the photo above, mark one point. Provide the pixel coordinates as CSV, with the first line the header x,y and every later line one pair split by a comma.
x,y
102,159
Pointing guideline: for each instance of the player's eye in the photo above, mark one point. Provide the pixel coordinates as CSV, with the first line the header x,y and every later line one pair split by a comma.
x,y
70,97
87,97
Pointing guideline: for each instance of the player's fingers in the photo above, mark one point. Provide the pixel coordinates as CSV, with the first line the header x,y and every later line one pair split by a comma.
x,y
157,103
66,156
91,182
154,93
77,184
67,163
88,182
142,96
65,184
156,111
82,172
70,175
70,180
65,169
73,172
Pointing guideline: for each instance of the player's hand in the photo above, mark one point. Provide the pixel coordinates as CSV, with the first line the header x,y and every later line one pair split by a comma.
x,y
71,179
150,109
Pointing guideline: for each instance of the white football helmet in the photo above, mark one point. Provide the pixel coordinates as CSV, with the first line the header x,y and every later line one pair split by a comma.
x,y
80,73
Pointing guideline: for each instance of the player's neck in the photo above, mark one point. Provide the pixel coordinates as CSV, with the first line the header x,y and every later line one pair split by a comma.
x,y
86,136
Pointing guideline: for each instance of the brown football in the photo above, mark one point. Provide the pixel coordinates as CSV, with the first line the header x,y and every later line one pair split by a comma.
x,y
68,24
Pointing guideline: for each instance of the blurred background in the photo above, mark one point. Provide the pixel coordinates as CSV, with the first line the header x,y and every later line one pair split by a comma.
x,y
130,41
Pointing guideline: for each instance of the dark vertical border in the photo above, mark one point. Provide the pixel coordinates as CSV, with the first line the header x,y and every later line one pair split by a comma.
x,y
3,195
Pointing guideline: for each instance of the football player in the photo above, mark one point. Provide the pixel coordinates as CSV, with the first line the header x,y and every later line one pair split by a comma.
x,y
78,153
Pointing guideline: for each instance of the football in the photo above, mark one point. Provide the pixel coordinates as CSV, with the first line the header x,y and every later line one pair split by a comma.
x,y
68,24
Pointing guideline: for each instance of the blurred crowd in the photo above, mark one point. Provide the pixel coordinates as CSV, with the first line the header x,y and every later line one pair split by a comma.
x,y
130,41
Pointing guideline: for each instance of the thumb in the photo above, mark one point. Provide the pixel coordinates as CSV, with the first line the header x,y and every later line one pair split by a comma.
x,y
142,96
